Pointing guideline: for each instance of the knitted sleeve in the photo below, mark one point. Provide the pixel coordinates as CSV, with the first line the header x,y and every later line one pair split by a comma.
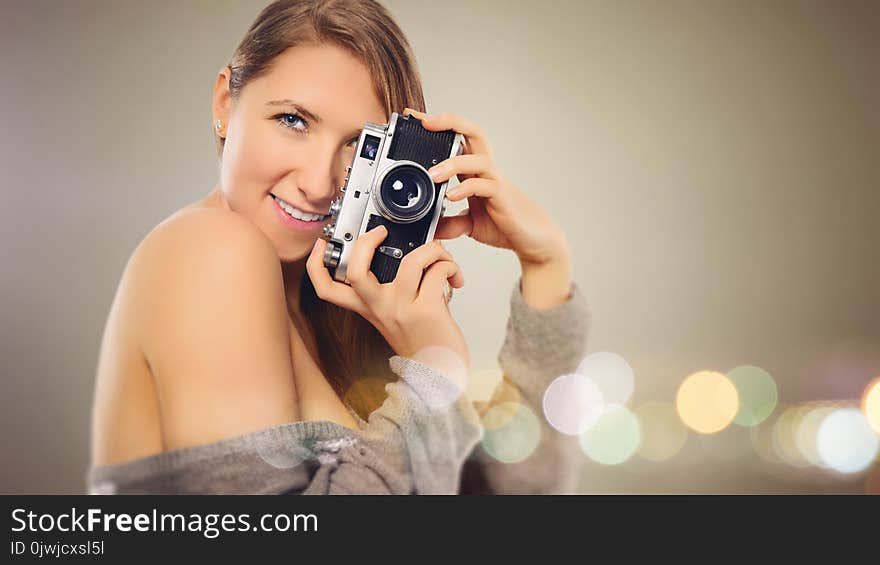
x,y
415,443
420,439
540,346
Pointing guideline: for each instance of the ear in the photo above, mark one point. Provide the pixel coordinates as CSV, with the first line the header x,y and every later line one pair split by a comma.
x,y
221,105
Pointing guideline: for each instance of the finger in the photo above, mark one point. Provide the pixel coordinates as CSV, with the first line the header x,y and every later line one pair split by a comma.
x,y
478,164
413,265
362,280
328,289
433,288
457,278
475,187
450,227
476,136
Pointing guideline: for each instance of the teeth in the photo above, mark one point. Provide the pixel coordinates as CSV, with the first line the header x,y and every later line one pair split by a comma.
x,y
298,214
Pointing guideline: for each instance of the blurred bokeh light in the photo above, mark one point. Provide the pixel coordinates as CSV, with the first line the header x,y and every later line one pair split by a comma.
x,y
762,437
846,442
614,438
512,432
663,434
572,403
362,391
808,429
281,456
611,373
757,394
481,384
707,402
871,404
784,435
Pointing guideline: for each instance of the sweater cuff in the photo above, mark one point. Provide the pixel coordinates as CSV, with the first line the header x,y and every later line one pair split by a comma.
x,y
439,424
553,338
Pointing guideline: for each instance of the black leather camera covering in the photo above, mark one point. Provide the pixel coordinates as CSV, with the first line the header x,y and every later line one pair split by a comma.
x,y
411,142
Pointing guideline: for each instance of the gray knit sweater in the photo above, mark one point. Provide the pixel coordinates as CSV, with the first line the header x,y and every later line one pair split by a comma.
x,y
412,444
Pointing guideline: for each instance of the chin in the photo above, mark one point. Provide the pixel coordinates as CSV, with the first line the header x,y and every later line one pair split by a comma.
x,y
295,252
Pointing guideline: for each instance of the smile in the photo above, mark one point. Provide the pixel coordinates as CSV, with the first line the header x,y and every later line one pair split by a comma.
x,y
297,213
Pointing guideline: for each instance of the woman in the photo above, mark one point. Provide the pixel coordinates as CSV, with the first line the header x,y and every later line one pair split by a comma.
x,y
232,362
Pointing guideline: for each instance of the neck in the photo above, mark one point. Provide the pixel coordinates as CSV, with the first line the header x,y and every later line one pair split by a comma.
x,y
216,199
292,273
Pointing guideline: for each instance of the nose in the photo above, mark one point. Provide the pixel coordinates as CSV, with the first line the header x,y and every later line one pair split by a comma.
x,y
321,174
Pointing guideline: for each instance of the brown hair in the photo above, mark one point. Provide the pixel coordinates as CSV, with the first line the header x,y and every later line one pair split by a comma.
x,y
353,354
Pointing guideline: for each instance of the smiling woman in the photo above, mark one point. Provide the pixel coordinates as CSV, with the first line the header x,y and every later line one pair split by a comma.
x,y
296,152
231,359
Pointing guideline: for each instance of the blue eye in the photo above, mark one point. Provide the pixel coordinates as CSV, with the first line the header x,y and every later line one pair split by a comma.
x,y
292,121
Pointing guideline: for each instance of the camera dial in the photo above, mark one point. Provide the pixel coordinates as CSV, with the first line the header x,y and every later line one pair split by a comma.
x,y
336,206
332,254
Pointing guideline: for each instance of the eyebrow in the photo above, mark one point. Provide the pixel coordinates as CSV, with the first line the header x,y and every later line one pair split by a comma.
x,y
299,107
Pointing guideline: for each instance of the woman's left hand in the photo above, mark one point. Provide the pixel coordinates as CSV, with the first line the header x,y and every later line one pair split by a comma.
x,y
499,214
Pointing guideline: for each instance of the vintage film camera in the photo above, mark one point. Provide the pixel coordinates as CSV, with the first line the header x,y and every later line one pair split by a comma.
x,y
388,183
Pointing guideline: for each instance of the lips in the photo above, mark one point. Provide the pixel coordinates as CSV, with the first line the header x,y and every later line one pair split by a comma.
x,y
310,227
297,212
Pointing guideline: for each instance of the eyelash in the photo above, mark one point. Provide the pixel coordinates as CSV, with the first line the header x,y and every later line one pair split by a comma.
x,y
284,123
280,119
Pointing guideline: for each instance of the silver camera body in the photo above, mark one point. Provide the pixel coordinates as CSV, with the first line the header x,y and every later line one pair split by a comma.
x,y
388,184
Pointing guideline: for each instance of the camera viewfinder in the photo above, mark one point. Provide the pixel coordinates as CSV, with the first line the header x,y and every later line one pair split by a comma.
x,y
370,147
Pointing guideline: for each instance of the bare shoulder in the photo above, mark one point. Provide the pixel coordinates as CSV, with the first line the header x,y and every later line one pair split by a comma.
x,y
199,242
213,326
200,230
185,252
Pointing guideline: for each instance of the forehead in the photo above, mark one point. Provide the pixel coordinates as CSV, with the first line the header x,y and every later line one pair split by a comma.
x,y
327,80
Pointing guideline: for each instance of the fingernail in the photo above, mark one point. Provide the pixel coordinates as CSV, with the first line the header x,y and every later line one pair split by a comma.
x,y
437,172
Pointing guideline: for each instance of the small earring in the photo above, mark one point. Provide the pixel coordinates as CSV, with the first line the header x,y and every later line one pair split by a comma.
x,y
219,125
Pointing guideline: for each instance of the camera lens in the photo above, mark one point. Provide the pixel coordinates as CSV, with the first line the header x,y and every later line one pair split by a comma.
x,y
406,193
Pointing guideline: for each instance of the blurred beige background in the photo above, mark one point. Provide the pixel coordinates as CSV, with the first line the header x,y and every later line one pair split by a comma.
x,y
714,163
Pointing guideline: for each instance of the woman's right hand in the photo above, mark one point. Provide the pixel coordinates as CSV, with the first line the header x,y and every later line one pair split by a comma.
x,y
411,312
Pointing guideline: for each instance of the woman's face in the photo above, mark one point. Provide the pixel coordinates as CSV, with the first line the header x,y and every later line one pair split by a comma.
x,y
289,136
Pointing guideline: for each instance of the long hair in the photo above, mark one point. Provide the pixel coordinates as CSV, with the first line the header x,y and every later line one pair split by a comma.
x,y
353,354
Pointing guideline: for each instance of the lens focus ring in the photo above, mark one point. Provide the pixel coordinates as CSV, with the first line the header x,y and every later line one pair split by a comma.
x,y
406,192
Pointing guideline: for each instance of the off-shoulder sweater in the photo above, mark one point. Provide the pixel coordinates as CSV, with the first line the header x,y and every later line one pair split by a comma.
x,y
414,443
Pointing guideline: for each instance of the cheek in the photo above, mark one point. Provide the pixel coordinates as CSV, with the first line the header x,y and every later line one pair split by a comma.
x,y
253,161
